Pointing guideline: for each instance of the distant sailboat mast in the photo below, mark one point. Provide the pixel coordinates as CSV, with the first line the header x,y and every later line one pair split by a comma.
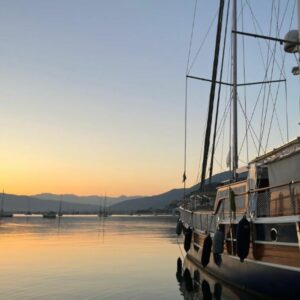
x,y
104,209
100,209
60,206
28,212
28,205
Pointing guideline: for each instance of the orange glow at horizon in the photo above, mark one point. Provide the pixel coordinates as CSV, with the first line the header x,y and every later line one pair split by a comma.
x,y
78,180
52,162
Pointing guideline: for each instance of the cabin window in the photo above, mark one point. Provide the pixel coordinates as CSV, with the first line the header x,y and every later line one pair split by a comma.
x,y
262,177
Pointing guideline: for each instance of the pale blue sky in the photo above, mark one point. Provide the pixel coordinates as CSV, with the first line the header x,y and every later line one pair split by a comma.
x,y
92,94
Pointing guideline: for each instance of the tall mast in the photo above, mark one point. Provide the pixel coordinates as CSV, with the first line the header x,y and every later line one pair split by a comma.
x,y
234,145
212,95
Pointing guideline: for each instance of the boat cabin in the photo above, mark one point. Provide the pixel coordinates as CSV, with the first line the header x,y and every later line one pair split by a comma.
x,y
274,182
272,187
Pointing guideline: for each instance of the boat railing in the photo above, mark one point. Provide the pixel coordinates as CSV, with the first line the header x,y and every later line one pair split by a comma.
x,y
197,202
278,200
274,201
201,220
186,217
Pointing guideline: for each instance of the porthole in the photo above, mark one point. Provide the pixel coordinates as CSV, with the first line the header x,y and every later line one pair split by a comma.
x,y
273,234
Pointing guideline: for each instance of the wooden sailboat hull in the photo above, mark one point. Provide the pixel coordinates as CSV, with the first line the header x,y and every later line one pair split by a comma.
x,y
261,278
202,285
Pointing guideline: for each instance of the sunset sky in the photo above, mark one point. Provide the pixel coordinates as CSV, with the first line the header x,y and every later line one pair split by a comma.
x,y
92,95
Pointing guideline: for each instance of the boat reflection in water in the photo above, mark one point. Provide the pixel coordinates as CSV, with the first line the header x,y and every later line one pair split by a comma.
x,y
195,283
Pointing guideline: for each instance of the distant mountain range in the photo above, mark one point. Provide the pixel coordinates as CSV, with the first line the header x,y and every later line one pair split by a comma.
x,y
21,204
91,204
91,200
162,200
152,202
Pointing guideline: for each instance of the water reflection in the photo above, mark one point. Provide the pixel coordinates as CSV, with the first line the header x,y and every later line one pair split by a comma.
x,y
86,257
194,283
101,228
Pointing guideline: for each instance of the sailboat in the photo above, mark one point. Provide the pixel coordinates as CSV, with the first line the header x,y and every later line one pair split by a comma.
x,y
100,209
4,214
28,212
49,215
103,211
246,230
60,213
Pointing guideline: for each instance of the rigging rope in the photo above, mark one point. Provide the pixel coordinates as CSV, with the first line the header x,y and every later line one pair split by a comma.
x,y
264,114
286,112
267,66
186,97
256,24
277,91
191,38
267,95
203,42
184,177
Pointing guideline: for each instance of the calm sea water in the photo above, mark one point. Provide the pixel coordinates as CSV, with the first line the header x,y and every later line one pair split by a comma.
x,y
85,257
